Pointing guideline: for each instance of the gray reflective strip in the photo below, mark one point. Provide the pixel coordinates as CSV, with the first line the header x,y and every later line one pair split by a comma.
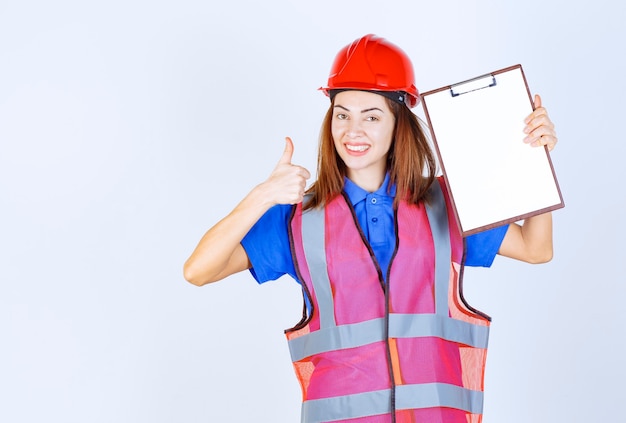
x,y
346,407
421,325
378,402
438,395
400,326
339,337
313,241
438,219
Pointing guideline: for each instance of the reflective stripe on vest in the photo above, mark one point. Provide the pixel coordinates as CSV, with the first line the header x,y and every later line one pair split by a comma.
x,y
400,326
316,349
377,402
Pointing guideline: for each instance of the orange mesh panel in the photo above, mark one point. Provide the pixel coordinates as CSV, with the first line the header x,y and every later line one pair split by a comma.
x,y
473,363
304,370
405,416
458,309
473,360
297,333
395,362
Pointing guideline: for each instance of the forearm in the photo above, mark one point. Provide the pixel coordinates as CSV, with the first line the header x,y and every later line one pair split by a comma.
x,y
219,252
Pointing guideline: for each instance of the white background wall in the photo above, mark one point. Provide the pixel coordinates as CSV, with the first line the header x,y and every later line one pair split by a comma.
x,y
127,128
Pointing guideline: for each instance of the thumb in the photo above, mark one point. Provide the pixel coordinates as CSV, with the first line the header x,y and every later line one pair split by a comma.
x,y
537,101
287,153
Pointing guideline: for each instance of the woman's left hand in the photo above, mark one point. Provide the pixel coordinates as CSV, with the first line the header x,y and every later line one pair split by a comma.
x,y
539,128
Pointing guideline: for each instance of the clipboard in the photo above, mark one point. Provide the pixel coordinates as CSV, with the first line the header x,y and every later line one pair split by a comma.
x,y
477,129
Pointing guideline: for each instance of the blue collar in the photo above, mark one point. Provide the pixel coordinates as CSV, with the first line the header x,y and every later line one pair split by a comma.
x,y
357,194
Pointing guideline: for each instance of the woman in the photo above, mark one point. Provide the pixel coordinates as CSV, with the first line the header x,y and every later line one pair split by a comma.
x,y
385,334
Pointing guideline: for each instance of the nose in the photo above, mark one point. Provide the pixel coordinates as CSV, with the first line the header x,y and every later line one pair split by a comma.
x,y
355,130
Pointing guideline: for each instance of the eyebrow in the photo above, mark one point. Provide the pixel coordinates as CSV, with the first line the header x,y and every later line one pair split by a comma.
x,y
362,111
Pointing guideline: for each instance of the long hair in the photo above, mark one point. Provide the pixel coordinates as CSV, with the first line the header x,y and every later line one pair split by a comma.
x,y
410,161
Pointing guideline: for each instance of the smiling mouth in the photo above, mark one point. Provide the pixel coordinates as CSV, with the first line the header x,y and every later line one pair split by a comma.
x,y
357,148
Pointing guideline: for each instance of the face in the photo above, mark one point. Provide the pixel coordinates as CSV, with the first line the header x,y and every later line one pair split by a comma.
x,y
362,127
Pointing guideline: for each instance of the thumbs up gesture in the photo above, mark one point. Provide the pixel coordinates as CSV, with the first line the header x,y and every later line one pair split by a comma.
x,y
287,182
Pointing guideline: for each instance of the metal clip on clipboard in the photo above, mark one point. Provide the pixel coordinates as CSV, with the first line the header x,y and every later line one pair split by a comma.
x,y
478,83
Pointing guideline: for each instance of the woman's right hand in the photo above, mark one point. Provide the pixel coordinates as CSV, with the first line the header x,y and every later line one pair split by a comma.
x,y
287,182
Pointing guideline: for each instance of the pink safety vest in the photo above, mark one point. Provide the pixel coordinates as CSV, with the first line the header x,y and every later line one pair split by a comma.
x,y
410,350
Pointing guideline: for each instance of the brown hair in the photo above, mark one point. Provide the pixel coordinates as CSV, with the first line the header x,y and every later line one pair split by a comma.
x,y
410,161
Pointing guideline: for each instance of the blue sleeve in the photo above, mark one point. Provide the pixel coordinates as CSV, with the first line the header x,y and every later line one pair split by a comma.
x,y
267,245
482,247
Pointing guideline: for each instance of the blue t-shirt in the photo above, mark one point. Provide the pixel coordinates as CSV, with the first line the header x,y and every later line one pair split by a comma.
x,y
267,243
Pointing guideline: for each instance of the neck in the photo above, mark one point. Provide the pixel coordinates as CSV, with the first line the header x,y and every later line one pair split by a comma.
x,y
369,181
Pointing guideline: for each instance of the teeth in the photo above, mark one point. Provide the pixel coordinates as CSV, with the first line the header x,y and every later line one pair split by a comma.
x,y
359,148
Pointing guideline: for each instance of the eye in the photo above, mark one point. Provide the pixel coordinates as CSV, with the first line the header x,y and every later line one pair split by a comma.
x,y
342,116
372,118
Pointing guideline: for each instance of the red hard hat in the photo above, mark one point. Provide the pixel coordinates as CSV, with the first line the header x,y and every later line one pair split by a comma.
x,y
374,64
